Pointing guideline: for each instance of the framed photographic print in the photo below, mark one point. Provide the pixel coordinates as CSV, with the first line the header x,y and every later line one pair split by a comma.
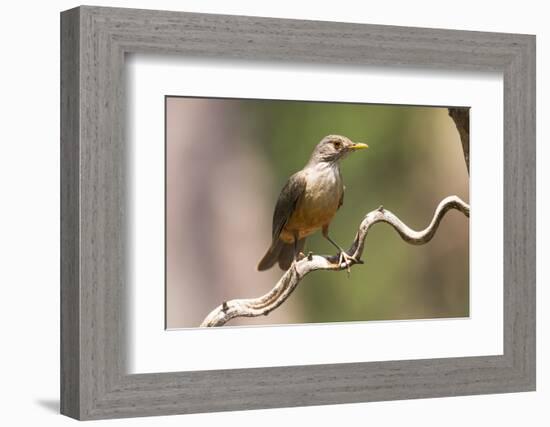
x,y
261,213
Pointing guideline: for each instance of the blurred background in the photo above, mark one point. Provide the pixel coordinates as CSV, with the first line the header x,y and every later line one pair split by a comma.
x,y
226,162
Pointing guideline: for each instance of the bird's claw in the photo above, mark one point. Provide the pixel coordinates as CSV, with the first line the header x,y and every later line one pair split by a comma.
x,y
348,261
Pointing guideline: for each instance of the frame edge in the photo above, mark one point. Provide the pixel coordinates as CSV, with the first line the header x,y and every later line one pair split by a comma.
x,y
85,351
70,395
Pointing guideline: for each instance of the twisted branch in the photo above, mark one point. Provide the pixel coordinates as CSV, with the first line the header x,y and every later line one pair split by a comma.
x,y
263,305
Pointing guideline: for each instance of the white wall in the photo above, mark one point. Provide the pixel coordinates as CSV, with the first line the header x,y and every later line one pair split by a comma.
x,y
29,226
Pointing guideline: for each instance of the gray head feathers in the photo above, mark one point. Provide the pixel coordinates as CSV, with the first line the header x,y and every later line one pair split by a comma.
x,y
333,148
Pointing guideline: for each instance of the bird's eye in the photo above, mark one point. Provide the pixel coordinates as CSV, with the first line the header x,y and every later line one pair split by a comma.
x,y
337,144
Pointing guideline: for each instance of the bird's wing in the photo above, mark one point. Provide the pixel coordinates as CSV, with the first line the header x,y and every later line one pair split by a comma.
x,y
286,203
341,202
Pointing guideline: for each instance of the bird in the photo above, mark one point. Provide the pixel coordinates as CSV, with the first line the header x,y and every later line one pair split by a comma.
x,y
308,202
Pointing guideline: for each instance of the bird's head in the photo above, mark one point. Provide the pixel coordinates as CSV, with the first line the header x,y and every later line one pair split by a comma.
x,y
333,148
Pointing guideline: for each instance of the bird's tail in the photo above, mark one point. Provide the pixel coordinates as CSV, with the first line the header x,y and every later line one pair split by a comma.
x,y
271,256
280,252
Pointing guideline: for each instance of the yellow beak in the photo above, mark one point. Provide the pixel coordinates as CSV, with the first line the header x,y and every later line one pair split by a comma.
x,y
358,146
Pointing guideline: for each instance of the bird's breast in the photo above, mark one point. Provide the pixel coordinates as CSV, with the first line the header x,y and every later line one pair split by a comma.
x,y
319,202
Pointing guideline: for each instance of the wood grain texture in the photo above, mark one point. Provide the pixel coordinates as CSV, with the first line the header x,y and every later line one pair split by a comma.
x,y
94,196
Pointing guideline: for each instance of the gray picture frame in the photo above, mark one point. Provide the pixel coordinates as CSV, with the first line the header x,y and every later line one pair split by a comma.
x,y
94,41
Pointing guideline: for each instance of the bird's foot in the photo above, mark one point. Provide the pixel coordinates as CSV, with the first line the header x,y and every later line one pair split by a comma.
x,y
347,261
